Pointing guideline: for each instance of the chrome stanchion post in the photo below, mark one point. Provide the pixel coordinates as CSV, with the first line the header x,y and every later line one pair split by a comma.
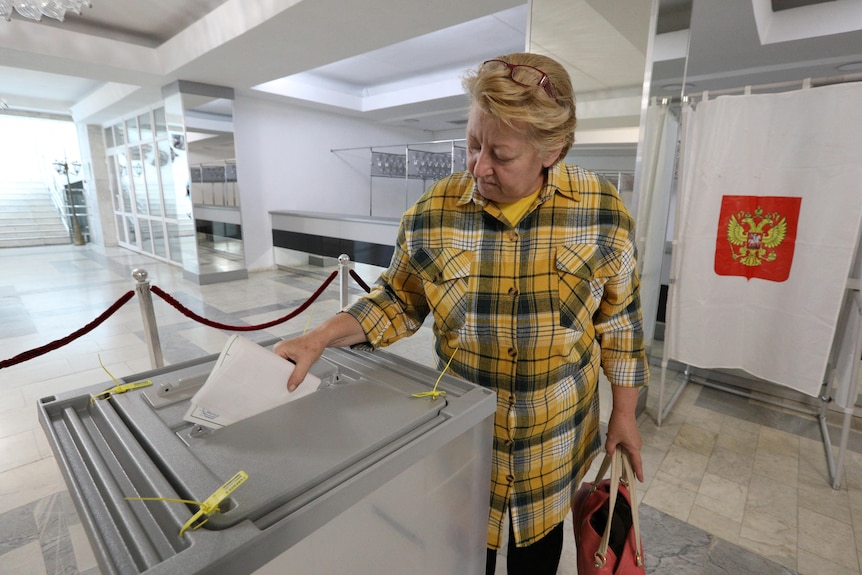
x,y
148,315
344,267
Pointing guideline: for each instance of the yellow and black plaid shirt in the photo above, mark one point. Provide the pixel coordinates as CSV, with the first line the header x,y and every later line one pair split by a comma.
x,y
534,310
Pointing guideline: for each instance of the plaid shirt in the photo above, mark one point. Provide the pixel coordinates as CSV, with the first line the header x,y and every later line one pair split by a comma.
x,y
533,310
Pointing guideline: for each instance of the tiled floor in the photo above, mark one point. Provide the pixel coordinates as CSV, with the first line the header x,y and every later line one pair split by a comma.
x,y
731,486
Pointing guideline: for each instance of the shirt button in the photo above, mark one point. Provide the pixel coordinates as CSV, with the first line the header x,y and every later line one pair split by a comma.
x,y
509,443
510,478
511,400
512,352
513,291
513,236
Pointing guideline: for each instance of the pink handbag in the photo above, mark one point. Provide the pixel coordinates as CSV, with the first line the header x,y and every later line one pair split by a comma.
x,y
609,547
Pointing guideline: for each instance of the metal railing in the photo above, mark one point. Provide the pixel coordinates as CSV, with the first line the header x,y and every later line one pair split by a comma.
x,y
68,204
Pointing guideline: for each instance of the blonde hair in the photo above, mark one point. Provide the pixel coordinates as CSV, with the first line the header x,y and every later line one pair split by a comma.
x,y
549,123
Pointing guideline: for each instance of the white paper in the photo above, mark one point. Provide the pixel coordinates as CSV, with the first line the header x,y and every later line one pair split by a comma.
x,y
247,379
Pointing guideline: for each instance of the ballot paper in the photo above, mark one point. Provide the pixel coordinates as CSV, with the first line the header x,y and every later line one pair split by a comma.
x,y
247,379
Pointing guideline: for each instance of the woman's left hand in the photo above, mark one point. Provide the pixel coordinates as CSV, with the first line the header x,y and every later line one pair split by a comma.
x,y
623,428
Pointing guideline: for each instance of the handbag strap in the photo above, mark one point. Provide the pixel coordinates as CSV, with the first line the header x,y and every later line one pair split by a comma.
x,y
632,485
603,468
601,553
620,466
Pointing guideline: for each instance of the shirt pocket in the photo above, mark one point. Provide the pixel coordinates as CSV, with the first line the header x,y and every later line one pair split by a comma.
x,y
583,270
446,278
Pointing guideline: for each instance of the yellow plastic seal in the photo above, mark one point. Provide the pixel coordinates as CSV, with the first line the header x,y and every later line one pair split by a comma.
x,y
119,387
434,394
211,505
208,507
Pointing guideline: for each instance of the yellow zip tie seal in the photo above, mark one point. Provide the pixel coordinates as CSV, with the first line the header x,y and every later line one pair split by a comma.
x,y
119,387
212,502
208,507
434,394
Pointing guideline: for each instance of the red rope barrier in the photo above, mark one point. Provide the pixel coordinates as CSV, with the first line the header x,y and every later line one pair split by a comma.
x,y
71,337
358,280
189,313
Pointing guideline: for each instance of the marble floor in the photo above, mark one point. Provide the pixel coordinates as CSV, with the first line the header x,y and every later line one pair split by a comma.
x,y
732,486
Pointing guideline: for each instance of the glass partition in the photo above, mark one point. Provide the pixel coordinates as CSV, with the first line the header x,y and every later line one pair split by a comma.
x,y
199,122
140,173
174,183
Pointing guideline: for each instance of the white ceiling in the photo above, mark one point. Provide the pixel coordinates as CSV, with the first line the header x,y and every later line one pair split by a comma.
x,y
381,59
735,43
397,62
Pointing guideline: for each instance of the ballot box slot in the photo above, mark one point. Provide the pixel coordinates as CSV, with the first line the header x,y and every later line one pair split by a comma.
x,y
388,369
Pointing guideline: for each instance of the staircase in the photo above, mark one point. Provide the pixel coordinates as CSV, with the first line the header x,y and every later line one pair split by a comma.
x,y
28,216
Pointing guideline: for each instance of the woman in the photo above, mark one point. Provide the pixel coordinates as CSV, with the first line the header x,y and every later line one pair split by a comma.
x,y
527,266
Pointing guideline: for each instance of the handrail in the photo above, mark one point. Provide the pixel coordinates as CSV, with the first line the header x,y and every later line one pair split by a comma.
x,y
60,205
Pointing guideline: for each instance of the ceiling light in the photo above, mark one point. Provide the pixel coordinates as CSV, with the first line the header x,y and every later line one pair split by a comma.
x,y
35,9
850,67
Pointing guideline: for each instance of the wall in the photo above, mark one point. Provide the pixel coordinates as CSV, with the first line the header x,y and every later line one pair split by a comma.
x,y
285,162
603,163
100,212
592,157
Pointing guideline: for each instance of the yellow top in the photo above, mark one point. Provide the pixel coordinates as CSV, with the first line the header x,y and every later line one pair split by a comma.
x,y
516,210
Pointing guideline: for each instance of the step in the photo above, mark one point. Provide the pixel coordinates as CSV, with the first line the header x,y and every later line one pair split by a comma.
x,y
20,206
30,227
24,200
25,196
12,187
11,198
6,192
41,207
32,223
28,212
30,217
46,209
29,242
33,232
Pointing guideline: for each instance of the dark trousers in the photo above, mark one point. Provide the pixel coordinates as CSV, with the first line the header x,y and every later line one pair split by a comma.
x,y
540,558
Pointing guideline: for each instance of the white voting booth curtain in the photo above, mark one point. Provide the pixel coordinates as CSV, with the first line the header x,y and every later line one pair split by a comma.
x,y
768,222
653,194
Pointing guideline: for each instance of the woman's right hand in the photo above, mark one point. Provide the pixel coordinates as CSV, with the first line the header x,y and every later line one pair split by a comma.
x,y
339,330
302,351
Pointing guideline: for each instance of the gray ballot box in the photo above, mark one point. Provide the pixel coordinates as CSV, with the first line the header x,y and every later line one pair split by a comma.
x,y
358,477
